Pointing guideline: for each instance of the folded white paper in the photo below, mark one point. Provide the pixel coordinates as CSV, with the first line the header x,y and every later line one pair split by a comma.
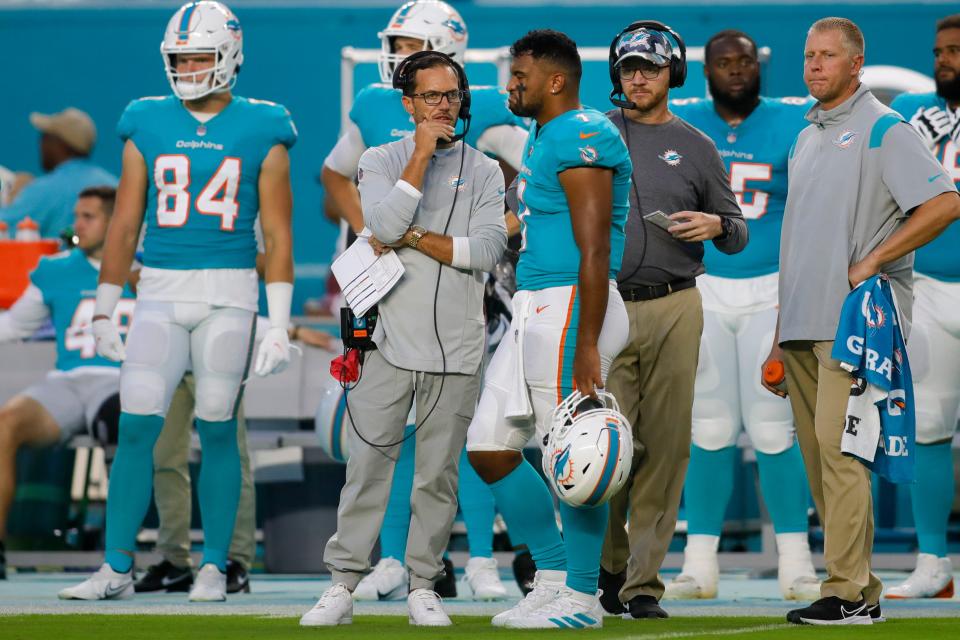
x,y
363,277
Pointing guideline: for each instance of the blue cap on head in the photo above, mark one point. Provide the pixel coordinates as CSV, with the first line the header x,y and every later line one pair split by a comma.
x,y
644,43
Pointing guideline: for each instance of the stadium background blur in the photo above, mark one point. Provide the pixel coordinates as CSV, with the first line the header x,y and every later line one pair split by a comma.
x,y
97,56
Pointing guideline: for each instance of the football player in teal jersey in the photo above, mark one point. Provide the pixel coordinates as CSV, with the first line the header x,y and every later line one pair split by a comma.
x,y
61,290
569,323
198,168
753,134
378,117
934,346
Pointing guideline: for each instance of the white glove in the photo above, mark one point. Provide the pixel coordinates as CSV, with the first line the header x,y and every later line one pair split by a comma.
x,y
932,123
274,353
107,337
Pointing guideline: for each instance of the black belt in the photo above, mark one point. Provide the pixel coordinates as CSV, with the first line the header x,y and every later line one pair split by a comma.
x,y
652,292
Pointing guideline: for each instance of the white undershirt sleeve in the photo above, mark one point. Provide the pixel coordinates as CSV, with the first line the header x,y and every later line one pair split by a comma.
x,y
344,158
27,314
506,142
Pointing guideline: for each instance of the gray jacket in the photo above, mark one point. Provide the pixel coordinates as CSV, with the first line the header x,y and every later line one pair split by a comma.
x,y
405,334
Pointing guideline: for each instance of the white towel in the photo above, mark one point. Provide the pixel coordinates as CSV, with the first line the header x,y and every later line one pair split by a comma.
x,y
861,432
518,402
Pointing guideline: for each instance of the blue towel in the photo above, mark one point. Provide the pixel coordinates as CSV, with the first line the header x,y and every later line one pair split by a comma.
x,y
881,419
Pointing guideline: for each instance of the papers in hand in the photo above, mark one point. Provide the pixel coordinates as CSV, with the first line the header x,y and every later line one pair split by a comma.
x,y
363,277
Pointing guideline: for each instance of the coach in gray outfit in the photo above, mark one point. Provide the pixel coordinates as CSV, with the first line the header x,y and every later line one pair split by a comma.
x,y
864,192
439,205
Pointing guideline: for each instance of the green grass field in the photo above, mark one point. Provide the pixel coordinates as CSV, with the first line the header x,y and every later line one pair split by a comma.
x,y
135,627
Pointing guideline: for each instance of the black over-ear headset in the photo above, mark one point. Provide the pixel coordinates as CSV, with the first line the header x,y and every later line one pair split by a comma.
x,y
678,64
402,79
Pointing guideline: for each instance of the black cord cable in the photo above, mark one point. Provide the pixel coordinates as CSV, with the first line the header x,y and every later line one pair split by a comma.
x,y
436,329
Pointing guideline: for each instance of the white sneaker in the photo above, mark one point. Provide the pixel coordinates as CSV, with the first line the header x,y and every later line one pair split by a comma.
x,y
933,578
426,609
546,586
569,610
210,585
795,573
387,581
701,570
334,607
105,584
484,579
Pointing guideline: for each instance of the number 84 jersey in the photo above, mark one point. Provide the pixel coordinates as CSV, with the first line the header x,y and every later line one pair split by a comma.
x,y
755,154
202,194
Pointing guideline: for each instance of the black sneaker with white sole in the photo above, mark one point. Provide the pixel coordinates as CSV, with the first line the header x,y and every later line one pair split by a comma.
x,y
832,611
610,585
875,614
165,577
446,587
238,580
524,571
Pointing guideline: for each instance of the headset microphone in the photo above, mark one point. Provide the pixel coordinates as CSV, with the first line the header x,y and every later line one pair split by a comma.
x,y
678,63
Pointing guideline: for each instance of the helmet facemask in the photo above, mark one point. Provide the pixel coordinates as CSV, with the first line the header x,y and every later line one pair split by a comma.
x,y
193,85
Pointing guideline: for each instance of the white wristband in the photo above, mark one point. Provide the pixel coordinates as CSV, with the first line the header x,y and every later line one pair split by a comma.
x,y
107,297
461,253
279,298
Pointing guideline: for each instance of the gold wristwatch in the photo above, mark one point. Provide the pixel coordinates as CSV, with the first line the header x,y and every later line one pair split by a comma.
x,y
416,234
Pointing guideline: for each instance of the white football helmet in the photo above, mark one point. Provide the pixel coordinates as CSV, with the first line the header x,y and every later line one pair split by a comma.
x,y
203,27
588,453
331,422
436,23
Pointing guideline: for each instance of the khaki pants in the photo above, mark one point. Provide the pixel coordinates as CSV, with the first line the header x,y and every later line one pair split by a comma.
x,y
378,407
171,484
653,380
819,389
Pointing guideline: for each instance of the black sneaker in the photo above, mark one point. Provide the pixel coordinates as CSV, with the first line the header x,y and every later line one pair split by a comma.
x,y
3,561
524,571
875,614
644,607
833,611
237,578
165,577
610,585
446,587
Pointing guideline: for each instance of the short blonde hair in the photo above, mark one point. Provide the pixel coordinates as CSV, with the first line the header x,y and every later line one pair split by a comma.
x,y
850,33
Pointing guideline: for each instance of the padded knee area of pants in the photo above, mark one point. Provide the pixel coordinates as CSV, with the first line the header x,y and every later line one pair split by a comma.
x,y
216,399
714,433
771,437
933,426
142,391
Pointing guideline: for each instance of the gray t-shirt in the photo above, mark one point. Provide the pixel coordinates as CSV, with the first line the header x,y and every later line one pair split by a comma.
x,y
404,333
675,168
855,174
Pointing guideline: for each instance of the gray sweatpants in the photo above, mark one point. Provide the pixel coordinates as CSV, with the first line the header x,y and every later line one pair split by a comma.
x,y
379,406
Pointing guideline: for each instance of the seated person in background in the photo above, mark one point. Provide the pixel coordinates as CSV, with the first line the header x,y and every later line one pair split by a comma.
x,y
65,145
61,289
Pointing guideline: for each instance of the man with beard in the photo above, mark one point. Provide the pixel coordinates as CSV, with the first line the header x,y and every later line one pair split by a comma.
x,y
934,347
568,324
679,182
753,135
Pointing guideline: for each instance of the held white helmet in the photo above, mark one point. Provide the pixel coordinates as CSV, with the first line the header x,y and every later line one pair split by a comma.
x,y
331,422
588,453
436,23
203,27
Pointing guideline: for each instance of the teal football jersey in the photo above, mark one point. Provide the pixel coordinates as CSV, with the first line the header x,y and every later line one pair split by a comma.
x,y
549,256
379,114
203,194
755,154
68,283
939,259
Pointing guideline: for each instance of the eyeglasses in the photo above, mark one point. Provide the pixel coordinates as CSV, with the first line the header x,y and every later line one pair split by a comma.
x,y
433,98
648,70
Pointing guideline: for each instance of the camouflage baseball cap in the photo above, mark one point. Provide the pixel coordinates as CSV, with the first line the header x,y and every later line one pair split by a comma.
x,y
644,43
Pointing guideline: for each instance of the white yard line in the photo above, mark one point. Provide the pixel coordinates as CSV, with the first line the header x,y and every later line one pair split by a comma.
x,y
718,632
